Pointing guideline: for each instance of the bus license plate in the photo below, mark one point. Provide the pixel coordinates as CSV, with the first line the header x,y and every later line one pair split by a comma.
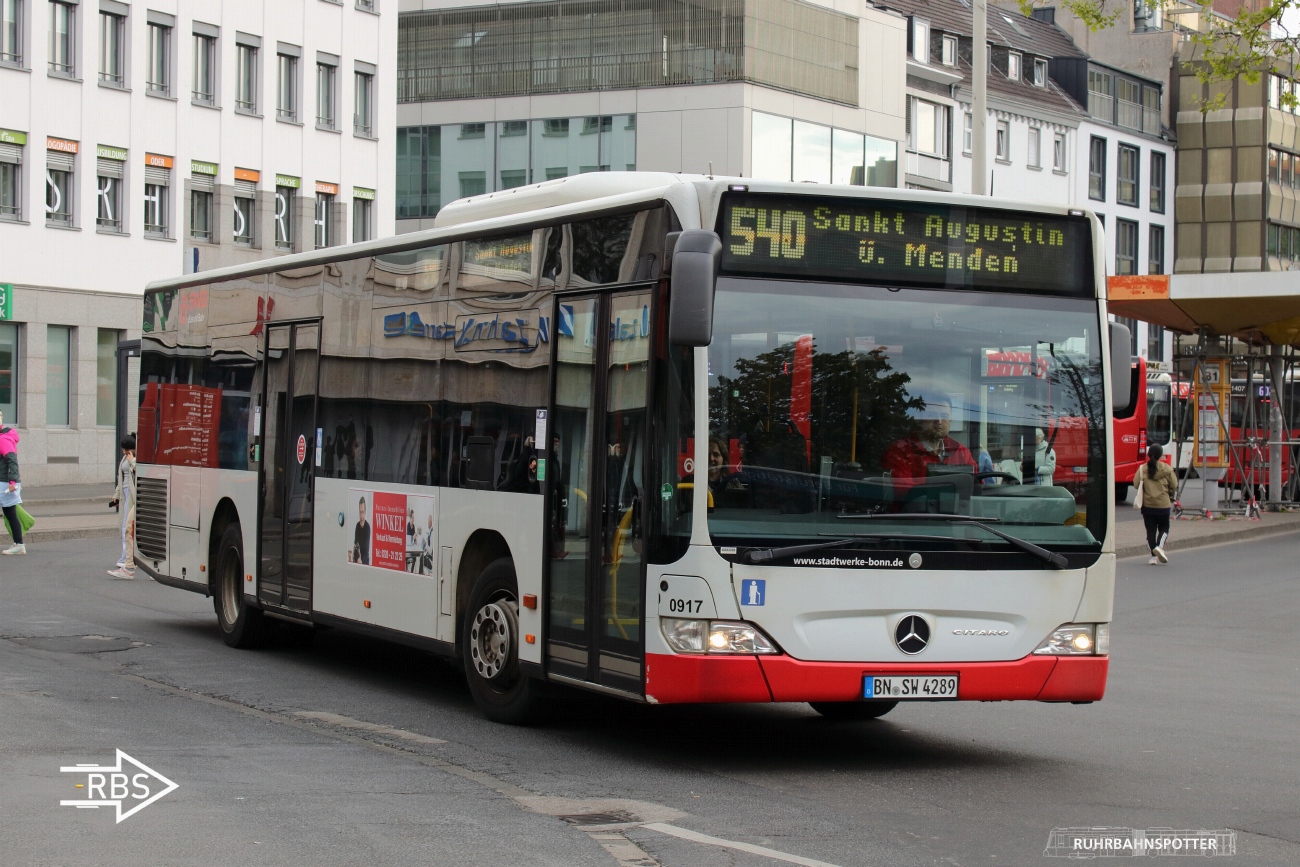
x,y
898,687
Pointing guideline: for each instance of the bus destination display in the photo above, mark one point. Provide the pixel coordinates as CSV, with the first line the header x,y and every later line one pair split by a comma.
x,y
905,244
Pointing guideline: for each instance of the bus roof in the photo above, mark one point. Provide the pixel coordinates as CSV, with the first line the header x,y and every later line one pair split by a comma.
x,y
694,199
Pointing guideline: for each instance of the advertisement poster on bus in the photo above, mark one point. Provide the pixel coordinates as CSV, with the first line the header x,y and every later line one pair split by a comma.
x,y
392,531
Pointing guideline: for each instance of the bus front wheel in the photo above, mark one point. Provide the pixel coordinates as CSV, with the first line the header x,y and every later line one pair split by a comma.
x,y
490,649
853,710
241,625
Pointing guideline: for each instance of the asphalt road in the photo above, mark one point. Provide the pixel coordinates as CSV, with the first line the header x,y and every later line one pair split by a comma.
x,y
327,749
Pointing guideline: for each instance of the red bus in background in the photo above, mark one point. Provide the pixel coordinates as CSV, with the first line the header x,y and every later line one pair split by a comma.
x,y
1131,430
1246,464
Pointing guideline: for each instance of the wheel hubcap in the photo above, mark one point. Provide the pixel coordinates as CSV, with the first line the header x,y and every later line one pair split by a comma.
x,y
491,637
230,589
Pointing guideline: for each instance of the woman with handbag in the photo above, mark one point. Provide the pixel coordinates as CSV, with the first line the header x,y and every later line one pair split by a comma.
x,y
1157,486
11,487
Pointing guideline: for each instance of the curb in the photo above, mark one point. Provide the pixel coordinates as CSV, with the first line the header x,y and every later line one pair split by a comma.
x,y
1261,529
37,535
69,501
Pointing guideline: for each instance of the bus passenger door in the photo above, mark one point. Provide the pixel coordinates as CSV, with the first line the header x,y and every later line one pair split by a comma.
x,y
288,463
595,489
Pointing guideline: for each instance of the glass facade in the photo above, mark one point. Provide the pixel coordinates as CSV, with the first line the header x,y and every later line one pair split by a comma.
x,y
106,376
439,164
58,346
786,149
560,46
9,372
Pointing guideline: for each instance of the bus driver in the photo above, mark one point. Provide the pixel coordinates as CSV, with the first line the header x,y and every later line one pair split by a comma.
x,y
907,459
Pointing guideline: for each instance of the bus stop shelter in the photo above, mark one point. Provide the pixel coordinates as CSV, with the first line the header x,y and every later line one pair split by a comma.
x,y
1261,308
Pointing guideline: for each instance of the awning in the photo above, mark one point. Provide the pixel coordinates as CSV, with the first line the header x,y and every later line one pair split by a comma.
x,y
1262,306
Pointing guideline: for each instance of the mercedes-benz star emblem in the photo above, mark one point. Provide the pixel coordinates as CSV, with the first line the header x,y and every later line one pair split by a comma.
x,y
912,634
914,561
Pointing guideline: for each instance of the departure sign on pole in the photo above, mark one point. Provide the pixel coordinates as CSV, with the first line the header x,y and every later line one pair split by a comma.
x,y
1211,393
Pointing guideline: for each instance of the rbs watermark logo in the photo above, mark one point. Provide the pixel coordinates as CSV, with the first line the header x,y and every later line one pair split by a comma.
x,y
130,786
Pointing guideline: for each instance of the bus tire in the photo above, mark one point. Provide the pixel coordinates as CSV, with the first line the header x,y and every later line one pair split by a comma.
x,y
853,711
241,625
1121,491
490,649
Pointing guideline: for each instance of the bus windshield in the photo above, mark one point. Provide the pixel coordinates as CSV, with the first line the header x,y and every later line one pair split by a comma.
x,y
832,402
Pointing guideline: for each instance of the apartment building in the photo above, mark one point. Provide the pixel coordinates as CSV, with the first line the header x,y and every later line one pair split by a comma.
x,y
493,96
145,139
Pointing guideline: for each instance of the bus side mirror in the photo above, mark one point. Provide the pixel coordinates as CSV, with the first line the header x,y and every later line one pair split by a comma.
x,y
695,263
1121,371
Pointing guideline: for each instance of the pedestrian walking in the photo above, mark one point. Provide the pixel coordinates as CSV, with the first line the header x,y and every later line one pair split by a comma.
x,y
1156,487
11,487
124,499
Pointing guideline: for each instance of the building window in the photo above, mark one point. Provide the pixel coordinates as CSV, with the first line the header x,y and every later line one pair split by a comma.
x,y
60,192
1126,247
326,76
920,40
106,376
1157,182
159,77
1034,156
243,216
63,39
1002,142
1058,151
157,183
9,372
11,32
58,358
1155,342
112,48
1040,73
201,215
284,217
324,216
967,132
1128,104
363,214
929,132
1097,169
1156,250
205,69
246,78
949,50
363,119
108,194
1014,61
11,181
286,93
366,5
1101,95
1126,178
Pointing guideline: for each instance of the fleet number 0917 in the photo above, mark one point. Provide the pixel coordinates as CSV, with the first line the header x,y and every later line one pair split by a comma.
x,y
685,606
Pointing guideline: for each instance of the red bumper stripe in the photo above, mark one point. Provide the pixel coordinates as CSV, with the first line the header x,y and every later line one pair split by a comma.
x,y
682,678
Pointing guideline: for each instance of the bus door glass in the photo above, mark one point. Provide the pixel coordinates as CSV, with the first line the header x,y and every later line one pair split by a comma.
x,y
288,463
596,487
1159,414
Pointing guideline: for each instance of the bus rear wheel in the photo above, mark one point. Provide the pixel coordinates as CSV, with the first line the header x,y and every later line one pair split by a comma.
x,y
490,649
241,625
849,711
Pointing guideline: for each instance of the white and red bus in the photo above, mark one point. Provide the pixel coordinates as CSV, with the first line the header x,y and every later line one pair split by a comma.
x,y
492,440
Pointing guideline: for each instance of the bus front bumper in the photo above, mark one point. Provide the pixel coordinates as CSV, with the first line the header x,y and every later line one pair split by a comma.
x,y
682,678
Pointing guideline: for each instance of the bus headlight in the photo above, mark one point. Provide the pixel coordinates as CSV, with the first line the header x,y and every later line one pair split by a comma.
x,y
1077,639
714,636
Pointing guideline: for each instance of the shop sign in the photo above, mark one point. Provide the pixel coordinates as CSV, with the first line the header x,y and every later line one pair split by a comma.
x,y
363,193
61,144
158,161
288,181
198,167
9,136
105,152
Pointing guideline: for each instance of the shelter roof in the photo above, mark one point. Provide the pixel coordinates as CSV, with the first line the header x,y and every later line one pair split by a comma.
x,y
1260,306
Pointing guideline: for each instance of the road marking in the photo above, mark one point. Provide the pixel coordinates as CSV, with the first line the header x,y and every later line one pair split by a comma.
x,y
347,722
697,837
623,850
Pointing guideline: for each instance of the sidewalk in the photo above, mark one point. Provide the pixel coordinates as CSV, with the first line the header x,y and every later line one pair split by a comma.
x,y
82,512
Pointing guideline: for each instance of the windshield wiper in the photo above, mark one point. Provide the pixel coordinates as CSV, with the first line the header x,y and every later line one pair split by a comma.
x,y
764,555
1050,557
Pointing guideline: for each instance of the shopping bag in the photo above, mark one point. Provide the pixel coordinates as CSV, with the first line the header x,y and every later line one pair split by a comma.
x,y
1137,482
25,520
